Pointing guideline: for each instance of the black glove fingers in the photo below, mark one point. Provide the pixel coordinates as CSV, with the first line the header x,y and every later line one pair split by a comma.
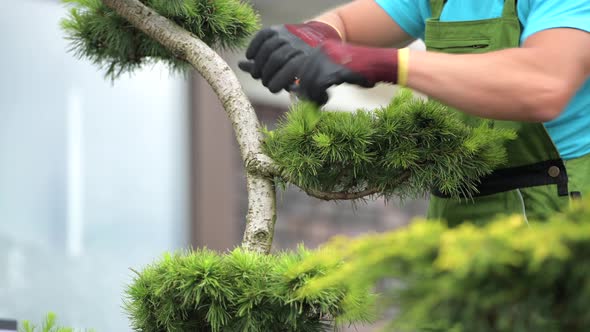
x,y
261,59
319,92
313,93
277,60
331,79
308,74
318,96
246,65
286,75
348,76
259,39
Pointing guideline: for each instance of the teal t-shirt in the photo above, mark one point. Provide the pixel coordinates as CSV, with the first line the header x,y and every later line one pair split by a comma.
x,y
571,130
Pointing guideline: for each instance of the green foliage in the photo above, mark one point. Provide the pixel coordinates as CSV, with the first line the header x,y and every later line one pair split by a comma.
x,y
240,291
504,277
404,149
109,41
50,325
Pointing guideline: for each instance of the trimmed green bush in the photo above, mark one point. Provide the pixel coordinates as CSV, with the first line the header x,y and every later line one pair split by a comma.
x,y
403,149
508,276
240,291
109,41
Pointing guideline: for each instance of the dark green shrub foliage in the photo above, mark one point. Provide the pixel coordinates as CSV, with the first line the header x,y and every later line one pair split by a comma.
x,y
240,291
403,149
508,276
108,40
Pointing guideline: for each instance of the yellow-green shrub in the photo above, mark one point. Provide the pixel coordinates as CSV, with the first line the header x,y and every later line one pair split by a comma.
x,y
505,276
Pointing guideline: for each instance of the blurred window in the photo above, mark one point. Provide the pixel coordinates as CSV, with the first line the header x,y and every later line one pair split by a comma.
x,y
93,174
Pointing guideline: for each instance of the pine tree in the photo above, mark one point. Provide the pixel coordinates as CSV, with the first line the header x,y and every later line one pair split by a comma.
x,y
401,150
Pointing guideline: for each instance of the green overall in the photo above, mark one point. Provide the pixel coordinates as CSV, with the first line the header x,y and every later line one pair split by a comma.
x,y
535,181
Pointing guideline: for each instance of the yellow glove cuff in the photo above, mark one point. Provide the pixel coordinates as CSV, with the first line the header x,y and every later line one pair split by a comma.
x,y
403,60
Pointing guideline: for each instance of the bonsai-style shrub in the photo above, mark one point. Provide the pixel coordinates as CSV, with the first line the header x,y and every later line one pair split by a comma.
x,y
508,276
238,291
403,149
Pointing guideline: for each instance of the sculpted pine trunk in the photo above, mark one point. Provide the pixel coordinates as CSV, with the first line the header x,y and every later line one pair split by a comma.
x,y
261,192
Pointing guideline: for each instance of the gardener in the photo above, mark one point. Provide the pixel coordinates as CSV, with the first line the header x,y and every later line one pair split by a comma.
x,y
525,65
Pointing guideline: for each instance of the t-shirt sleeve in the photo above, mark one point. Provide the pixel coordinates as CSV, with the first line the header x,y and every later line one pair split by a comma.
x,y
408,14
550,14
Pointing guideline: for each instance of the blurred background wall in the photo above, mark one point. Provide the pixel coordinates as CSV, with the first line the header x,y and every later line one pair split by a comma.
x,y
93,174
97,177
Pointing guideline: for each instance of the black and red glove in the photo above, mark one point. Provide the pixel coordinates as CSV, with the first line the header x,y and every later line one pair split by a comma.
x,y
334,63
277,53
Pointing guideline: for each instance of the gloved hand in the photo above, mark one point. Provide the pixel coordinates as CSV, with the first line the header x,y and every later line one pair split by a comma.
x,y
276,53
334,63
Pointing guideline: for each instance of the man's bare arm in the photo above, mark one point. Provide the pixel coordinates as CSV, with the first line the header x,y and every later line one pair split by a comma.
x,y
531,83
365,22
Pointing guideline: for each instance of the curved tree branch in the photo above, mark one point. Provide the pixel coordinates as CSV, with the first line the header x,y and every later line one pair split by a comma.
x,y
261,192
262,165
260,168
332,196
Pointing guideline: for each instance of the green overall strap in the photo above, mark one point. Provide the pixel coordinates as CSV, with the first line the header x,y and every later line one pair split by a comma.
x,y
436,8
509,9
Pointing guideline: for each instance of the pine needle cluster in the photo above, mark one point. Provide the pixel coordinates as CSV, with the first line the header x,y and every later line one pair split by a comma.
x,y
504,277
240,291
49,325
111,42
405,149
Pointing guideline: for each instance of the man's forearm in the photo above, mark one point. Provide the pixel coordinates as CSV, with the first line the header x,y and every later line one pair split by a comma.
x,y
333,19
522,84
364,22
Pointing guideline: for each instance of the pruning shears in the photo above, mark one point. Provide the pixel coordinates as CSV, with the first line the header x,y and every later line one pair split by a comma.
x,y
293,94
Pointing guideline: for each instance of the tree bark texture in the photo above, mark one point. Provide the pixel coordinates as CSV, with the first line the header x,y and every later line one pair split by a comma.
x,y
260,168
261,192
